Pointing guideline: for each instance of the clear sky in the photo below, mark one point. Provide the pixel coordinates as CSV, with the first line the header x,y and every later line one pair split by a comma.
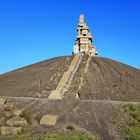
x,y
36,30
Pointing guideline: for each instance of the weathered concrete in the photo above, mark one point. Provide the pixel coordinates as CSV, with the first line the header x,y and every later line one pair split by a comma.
x,y
66,79
5,130
8,114
84,39
17,121
2,102
85,71
49,120
9,106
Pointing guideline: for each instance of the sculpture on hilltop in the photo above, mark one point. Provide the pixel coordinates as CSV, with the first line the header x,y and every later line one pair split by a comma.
x,y
84,39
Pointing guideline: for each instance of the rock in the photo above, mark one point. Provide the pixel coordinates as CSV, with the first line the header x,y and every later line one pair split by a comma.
x,y
49,120
9,106
2,102
77,96
2,121
27,115
5,130
8,114
38,95
17,121
18,112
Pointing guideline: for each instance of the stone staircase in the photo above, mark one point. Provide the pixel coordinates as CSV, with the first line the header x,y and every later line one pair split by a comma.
x,y
66,79
85,71
87,64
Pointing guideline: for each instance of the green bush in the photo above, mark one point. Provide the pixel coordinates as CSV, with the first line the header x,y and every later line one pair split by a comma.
x,y
132,132
71,128
64,136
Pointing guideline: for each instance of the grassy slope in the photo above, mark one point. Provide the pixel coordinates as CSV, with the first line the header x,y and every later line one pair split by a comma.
x,y
71,135
132,130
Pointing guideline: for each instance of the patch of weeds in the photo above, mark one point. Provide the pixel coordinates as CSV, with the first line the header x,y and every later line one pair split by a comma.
x,y
2,121
132,130
113,122
29,138
26,129
131,107
61,136
67,137
70,127
135,115
133,110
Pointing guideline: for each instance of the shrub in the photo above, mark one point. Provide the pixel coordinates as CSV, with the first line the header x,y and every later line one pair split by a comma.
x,y
62,136
132,132
70,128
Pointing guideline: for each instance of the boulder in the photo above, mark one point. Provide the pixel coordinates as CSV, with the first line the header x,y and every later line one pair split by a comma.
x,y
17,121
18,112
9,106
49,120
2,121
2,102
5,130
8,114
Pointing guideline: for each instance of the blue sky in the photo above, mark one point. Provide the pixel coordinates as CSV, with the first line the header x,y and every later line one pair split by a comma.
x,y
36,30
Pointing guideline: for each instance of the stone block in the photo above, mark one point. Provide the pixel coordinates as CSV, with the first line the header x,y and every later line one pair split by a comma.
x,y
17,121
9,106
2,102
8,114
55,94
49,120
2,121
5,130
18,112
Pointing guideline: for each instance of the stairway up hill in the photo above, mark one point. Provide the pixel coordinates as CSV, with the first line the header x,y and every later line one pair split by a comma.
x,y
66,79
